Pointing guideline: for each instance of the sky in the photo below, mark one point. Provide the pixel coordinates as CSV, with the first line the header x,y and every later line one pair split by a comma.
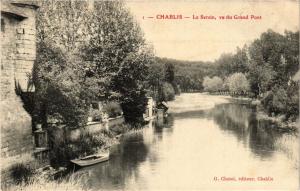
x,y
206,40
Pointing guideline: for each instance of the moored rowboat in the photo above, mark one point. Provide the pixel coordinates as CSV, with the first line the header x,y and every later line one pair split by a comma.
x,y
91,159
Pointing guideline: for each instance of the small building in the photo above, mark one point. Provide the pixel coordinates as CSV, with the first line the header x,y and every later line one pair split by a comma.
x,y
163,105
149,113
162,109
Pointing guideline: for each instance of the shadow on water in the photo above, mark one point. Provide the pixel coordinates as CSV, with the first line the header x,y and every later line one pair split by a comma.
x,y
160,127
239,120
163,123
261,137
125,158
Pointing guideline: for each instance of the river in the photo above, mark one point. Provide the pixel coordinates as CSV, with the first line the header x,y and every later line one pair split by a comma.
x,y
207,142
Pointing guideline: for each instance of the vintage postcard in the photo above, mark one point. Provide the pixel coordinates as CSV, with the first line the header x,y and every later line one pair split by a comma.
x,y
149,95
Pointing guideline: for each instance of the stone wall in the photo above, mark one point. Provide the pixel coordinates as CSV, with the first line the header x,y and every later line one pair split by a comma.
x,y
115,121
94,127
18,50
18,41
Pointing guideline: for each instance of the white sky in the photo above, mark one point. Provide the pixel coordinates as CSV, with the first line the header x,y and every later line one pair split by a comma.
x,y
206,40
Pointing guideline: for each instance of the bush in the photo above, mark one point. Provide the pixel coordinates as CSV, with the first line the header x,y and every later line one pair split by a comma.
x,y
275,101
86,144
61,153
168,92
107,133
283,101
41,183
113,109
21,173
89,143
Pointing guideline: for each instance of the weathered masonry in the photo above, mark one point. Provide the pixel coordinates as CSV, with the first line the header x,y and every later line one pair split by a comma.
x,y
18,53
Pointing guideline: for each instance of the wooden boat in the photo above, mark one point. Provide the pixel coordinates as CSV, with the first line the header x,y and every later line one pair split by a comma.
x,y
91,159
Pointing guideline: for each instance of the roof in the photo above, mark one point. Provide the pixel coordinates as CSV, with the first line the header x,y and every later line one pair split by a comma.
x,y
16,9
162,104
26,3
13,11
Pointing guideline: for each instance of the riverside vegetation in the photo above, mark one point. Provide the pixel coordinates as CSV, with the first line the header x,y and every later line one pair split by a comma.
x,y
262,70
84,55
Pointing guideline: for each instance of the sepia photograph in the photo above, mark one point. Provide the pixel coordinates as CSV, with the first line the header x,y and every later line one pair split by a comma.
x,y
151,95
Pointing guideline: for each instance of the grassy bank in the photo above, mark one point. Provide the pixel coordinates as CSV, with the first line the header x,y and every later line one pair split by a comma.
x,y
42,183
27,178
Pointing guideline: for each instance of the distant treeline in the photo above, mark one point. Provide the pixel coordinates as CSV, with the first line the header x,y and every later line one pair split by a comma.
x,y
264,69
189,75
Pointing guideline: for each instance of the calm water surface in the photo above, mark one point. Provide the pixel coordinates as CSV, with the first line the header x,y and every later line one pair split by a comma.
x,y
203,137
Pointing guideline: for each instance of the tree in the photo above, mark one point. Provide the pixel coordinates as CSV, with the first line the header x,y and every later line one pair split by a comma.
x,y
168,92
292,108
261,73
170,76
240,60
131,86
63,91
225,86
290,57
156,76
212,84
225,65
206,83
238,82
170,73
63,24
116,51
103,54
59,94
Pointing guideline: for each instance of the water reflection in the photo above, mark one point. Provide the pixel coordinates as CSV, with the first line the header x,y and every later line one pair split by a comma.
x,y
188,148
261,137
126,157
232,119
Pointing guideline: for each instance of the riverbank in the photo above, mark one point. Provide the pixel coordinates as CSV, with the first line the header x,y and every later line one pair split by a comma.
x,y
42,183
49,178
279,121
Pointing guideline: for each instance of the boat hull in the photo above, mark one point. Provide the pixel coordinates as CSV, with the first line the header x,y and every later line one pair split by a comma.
x,y
86,162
